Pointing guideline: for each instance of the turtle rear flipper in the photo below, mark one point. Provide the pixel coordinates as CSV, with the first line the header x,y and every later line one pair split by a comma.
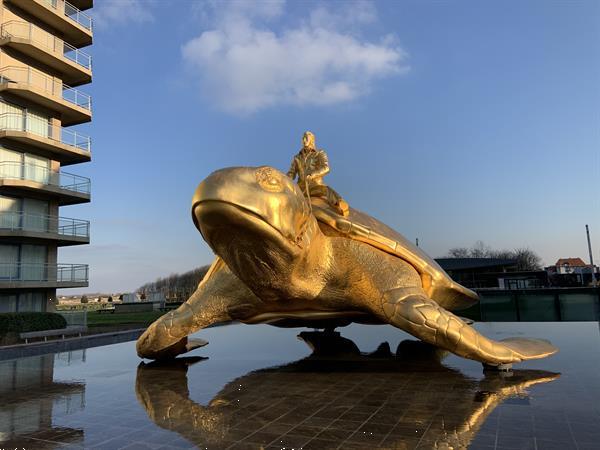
x,y
528,348
420,316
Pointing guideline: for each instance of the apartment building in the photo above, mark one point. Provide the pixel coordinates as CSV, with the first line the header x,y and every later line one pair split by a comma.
x,y
42,66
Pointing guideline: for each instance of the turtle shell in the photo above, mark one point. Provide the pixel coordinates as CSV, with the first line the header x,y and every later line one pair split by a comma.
x,y
362,227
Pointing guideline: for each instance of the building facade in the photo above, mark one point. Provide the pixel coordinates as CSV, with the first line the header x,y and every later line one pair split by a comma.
x,y
492,273
42,67
570,272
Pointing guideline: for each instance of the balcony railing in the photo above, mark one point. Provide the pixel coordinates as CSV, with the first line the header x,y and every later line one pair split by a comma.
x,y
34,78
43,175
41,272
53,44
43,223
41,127
72,13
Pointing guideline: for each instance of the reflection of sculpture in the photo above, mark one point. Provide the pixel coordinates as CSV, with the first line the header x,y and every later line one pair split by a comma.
x,y
325,399
310,166
282,262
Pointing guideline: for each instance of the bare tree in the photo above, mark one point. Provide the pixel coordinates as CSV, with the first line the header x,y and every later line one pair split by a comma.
x,y
179,286
527,259
501,254
459,252
480,250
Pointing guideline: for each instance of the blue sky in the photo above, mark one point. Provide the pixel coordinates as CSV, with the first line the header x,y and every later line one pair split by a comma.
x,y
450,121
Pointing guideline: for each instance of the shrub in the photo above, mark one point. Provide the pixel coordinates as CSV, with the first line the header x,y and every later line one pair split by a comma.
x,y
84,299
30,321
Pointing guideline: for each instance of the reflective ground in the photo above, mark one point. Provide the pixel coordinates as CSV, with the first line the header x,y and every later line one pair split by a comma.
x,y
264,387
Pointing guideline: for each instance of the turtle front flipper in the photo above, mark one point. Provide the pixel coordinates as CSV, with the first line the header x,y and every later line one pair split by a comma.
x,y
167,337
423,318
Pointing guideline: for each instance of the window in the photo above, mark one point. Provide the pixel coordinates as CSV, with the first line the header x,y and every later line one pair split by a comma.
x,y
31,301
37,123
33,262
37,168
23,262
23,213
35,215
9,258
10,163
23,302
19,165
11,116
9,213
15,117
8,303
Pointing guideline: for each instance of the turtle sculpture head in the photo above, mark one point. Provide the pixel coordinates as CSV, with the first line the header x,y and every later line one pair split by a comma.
x,y
255,218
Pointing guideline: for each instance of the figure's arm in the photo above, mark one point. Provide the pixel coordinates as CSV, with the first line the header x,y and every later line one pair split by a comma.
x,y
293,169
321,165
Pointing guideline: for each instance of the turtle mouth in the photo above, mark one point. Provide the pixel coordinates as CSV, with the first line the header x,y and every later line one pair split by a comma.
x,y
213,217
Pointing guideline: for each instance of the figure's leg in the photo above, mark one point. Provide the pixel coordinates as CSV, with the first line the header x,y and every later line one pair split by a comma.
x,y
336,200
209,304
415,313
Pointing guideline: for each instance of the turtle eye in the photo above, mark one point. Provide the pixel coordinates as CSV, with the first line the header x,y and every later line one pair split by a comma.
x,y
269,179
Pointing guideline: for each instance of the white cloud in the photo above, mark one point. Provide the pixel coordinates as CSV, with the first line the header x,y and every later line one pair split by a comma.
x,y
118,12
244,64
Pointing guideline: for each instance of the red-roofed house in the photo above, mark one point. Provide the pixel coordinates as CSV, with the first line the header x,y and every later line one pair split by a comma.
x,y
570,265
571,272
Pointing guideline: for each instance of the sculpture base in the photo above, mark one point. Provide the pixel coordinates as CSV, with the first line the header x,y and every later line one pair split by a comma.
x,y
497,367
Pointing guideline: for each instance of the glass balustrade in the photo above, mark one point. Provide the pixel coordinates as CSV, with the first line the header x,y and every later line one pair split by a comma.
x,y
43,175
52,86
48,41
31,124
64,226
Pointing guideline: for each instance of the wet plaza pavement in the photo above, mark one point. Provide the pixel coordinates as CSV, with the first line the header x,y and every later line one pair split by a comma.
x,y
263,387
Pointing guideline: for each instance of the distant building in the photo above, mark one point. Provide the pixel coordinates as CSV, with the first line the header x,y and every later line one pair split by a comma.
x,y
567,272
155,297
130,297
569,265
499,273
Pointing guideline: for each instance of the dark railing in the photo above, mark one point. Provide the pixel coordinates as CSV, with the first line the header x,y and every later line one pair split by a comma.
x,y
40,272
64,226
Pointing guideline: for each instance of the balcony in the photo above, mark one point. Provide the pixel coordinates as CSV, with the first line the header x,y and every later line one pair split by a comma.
x,y
26,82
40,275
64,145
82,4
70,189
39,227
74,64
75,25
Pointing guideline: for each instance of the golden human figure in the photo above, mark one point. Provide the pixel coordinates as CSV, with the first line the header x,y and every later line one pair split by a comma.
x,y
310,165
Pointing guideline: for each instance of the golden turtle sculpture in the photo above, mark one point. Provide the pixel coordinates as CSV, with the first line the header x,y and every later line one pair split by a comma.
x,y
288,261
